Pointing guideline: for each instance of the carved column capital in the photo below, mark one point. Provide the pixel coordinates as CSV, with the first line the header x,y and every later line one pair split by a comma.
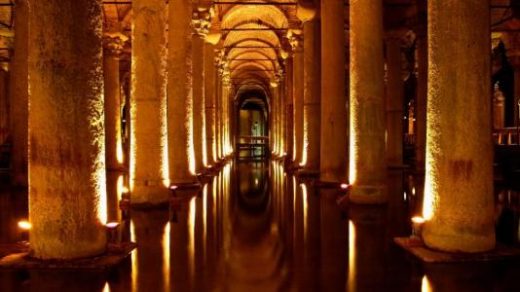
x,y
295,38
113,44
201,20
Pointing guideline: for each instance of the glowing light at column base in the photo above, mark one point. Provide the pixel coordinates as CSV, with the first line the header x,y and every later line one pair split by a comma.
x,y
430,187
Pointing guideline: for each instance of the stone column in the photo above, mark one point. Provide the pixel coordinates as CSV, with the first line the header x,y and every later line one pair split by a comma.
x,y
311,96
113,45
458,191
4,103
274,116
67,195
367,172
420,105
296,41
182,167
209,86
334,115
226,84
288,146
149,148
218,114
200,24
394,102
19,95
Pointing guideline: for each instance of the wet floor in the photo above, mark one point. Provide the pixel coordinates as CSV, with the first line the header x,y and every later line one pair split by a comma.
x,y
255,228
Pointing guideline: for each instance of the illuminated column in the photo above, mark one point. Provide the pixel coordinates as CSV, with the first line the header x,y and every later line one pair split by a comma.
x,y
394,102
4,102
19,94
274,117
420,106
218,114
311,96
296,41
200,24
226,84
275,95
334,116
458,191
149,149
67,195
113,45
209,87
182,165
367,172
288,134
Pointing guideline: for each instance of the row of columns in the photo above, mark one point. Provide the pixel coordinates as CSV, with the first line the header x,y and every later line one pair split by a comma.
x,y
455,129
74,118
67,116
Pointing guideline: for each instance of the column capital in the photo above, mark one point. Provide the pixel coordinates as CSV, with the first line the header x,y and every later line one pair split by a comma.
x,y
306,10
295,38
201,20
113,43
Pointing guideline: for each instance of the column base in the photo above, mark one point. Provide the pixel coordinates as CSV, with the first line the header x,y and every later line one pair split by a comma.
x,y
449,240
310,173
368,194
149,194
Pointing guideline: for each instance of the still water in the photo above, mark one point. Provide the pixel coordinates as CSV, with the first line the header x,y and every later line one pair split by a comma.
x,y
255,228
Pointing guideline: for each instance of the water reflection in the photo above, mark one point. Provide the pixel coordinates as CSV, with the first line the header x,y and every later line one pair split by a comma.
x,y
255,227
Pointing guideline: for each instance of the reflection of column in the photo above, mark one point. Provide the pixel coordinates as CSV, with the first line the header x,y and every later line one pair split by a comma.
x,y
67,159
458,191
366,258
420,106
333,236
209,93
367,126
394,103
180,92
296,40
334,116
113,45
152,256
311,97
149,159
19,94
200,23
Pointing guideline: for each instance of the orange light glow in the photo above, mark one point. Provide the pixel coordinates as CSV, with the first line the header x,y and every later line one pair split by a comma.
x,y
24,225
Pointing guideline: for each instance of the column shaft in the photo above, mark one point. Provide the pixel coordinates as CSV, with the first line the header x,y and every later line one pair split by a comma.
x,y
289,109
311,95
458,194
113,138
67,195
182,167
334,116
394,103
198,102
367,172
19,95
149,148
209,92
420,106
298,105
